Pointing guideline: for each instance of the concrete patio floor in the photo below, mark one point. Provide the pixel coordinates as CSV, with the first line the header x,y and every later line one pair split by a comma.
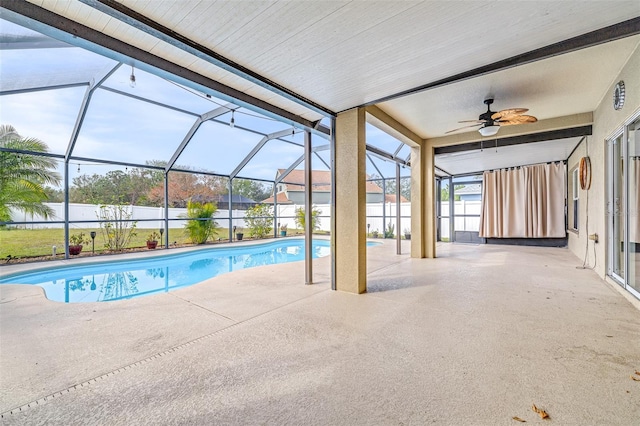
x,y
474,337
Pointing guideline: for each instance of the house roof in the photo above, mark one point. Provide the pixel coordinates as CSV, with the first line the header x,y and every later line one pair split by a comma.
x,y
282,199
391,198
321,181
475,188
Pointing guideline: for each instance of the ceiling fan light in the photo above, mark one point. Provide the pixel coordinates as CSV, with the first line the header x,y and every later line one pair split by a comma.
x,y
489,130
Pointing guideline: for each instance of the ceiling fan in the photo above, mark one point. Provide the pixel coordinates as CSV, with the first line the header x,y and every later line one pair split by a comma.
x,y
490,122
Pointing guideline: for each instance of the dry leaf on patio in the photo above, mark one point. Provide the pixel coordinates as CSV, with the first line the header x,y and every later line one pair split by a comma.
x,y
516,418
543,414
638,372
637,379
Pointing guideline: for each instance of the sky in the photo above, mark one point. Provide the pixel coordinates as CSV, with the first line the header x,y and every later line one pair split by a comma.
x,y
120,128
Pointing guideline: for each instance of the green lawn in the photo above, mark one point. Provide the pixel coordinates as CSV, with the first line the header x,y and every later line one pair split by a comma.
x,y
21,243
39,242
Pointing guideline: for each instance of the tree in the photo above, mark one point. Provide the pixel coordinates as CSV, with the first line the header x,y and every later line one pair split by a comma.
x,y
117,187
252,189
405,187
184,186
24,177
92,189
444,193
54,195
145,186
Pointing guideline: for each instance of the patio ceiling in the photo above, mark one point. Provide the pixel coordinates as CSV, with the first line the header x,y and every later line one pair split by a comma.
x,y
314,58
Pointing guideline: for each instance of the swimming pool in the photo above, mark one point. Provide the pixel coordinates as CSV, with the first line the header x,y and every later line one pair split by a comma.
x,y
116,280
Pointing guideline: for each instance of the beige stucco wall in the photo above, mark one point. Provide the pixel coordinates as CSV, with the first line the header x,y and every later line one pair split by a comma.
x,y
606,122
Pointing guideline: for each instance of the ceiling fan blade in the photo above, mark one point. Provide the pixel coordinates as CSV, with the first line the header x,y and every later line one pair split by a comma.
x,y
464,127
517,119
473,121
508,112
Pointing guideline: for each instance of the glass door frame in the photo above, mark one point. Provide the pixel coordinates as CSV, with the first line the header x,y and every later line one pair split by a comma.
x,y
634,120
623,134
613,245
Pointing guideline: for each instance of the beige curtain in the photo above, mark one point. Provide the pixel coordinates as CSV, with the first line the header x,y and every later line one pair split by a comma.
x,y
524,203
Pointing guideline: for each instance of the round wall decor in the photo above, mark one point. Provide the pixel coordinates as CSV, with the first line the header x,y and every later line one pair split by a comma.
x,y
585,173
618,95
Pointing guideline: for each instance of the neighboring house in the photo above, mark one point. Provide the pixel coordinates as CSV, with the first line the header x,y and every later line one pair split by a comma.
x,y
470,192
291,189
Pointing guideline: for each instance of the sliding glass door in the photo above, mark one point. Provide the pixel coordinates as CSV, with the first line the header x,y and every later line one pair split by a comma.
x,y
623,207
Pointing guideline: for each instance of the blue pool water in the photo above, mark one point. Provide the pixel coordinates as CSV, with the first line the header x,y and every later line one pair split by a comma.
x,y
115,280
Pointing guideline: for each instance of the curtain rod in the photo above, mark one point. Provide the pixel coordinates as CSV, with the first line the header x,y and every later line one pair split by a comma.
x,y
527,165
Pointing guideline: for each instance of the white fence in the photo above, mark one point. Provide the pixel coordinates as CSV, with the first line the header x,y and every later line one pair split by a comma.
x,y
142,214
461,223
286,215
375,217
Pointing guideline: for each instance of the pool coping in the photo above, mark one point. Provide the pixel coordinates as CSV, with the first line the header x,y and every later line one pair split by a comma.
x,y
9,270
18,268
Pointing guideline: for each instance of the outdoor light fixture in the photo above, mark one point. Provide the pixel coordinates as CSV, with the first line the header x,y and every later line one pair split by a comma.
x,y
489,130
232,122
93,241
132,79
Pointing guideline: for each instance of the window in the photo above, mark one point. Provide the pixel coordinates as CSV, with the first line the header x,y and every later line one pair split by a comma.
x,y
575,179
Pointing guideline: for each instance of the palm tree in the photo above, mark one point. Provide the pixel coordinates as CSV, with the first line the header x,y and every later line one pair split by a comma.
x,y
23,177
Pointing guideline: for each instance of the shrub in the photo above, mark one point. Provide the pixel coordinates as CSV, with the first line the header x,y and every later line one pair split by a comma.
x,y
117,228
388,233
201,226
259,220
315,218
